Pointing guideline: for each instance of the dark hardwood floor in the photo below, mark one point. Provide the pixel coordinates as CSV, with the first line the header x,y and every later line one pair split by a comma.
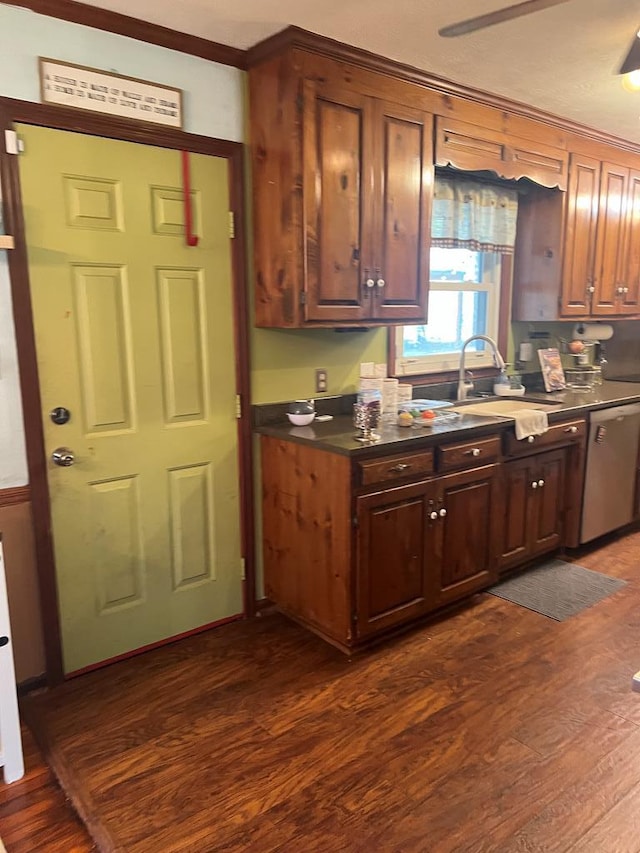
x,y
494,729
35,814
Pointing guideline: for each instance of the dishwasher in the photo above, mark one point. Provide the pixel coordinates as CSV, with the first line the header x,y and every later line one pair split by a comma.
x,y
610,479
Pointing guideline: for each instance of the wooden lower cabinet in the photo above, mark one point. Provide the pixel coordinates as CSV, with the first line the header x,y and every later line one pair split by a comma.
x,y
354,548
533,497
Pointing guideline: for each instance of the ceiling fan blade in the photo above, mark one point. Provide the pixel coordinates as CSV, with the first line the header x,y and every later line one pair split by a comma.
x,y
497,17
632,59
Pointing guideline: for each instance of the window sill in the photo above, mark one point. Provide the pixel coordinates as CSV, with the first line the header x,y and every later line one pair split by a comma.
x,y
442,376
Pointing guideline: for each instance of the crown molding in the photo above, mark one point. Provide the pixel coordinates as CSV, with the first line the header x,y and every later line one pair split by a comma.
x,y
293,38
135,28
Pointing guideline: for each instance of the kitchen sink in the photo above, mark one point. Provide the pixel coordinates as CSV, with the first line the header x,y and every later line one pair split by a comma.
x,y
502,408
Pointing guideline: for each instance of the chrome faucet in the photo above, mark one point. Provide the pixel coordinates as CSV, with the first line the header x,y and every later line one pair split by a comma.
x,y
463,386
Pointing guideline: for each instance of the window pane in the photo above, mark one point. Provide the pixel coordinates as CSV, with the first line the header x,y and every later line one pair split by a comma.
x,y
453,317
455,265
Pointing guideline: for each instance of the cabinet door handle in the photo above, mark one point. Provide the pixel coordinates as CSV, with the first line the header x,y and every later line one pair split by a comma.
x,y
475,451
625,290
399,468
369,283
433,515
572,429
531,439
443,512
534,485
541,483
380,282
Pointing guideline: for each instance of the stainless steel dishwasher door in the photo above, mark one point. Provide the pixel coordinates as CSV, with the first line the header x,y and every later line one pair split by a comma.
x,y
610,481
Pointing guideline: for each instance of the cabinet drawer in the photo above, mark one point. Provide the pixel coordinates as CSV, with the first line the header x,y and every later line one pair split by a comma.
x,y
396,467
569,431
469,453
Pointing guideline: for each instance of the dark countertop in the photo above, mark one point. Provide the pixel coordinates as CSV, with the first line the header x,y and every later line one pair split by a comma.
x,y
338,435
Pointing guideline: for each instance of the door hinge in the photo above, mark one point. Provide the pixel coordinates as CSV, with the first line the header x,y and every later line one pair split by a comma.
x,y
232,225
299,102
12,142
355,521
303,298
238,407
243,569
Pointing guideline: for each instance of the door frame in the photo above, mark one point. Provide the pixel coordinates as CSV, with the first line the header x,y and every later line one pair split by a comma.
x,y
14,111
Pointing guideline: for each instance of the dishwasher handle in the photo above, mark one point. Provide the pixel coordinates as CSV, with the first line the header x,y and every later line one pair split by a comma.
x,y
614,413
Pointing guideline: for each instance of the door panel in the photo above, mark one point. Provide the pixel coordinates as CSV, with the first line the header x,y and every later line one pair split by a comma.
x,y
548,503
579,248
516,486
630,273
468,550
611,214
402,258
134,334
338,203
392,564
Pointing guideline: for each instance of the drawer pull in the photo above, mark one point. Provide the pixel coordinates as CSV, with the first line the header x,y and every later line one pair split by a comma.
x,y
399,468
475,451
572,429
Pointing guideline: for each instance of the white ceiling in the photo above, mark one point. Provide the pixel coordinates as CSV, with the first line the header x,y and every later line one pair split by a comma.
x,y
562,60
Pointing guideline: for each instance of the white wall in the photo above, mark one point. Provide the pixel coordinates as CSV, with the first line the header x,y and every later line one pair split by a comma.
x,y
213,106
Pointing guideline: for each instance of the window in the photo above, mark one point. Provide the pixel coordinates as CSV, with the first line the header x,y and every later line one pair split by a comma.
x,y
472,237
464,300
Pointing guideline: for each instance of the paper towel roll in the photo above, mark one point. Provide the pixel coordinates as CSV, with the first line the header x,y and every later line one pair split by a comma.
x,y
592,331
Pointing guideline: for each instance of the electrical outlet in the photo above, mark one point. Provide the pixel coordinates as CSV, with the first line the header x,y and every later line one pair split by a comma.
x,y
321,380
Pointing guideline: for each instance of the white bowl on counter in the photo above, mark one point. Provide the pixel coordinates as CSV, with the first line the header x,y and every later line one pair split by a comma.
x,y
301,419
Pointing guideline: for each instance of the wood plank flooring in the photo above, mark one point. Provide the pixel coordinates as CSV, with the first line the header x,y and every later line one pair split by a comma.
x,y
35,814
494,729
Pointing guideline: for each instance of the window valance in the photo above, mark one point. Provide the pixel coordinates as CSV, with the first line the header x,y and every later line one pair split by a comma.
x,y
468,214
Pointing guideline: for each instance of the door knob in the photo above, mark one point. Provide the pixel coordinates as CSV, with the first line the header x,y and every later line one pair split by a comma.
x,y
63,456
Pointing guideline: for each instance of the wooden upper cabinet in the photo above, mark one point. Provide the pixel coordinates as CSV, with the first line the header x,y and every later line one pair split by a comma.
x,y
601,274
580,236
342,184
470,147
367,191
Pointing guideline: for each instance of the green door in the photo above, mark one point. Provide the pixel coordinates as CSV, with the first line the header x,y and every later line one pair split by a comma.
x,y
135,337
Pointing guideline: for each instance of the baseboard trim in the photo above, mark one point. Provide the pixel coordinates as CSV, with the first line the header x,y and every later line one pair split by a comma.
x,y
37,682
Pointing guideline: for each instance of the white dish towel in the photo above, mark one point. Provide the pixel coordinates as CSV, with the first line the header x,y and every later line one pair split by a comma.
x,y
530,422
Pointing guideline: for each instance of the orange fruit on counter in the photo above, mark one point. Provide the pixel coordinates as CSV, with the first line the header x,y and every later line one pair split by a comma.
x,y
428,415
576,347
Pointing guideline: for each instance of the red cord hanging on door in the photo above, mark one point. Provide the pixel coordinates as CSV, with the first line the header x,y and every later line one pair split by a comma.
x,y
190,237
